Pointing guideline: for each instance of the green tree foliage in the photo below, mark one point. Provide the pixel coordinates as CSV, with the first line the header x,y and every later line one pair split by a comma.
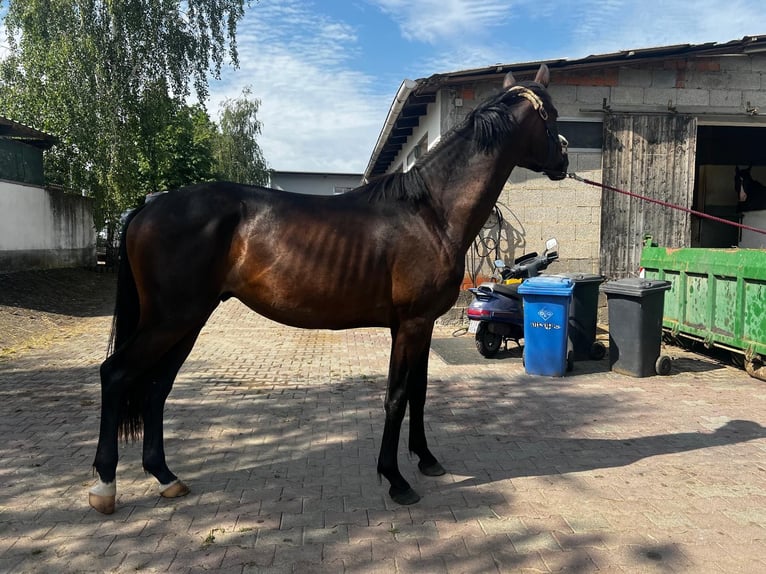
x,y
238,154
109,78
175,143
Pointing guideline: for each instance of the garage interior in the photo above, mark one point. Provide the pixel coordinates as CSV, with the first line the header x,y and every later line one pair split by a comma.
x,y
720,149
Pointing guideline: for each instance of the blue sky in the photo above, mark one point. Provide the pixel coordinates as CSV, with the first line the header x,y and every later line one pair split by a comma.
x,y
326,71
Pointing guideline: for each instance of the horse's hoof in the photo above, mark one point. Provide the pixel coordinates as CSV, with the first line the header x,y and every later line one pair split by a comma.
x,y
174,490
104,504
404,497
434,469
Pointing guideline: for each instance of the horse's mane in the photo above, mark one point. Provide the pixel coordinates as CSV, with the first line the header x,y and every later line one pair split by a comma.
x,y
489,124
398,186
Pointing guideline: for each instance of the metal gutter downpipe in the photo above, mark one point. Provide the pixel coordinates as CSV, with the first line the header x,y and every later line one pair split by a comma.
x,y
402,94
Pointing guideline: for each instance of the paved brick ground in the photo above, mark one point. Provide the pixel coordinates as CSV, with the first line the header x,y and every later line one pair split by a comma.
x,y
277,431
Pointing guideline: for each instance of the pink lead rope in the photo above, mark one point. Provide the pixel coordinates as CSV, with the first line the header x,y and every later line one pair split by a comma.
x,y
665,204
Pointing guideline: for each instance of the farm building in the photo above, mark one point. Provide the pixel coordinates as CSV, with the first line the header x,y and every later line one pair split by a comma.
x,y
670,123
314,183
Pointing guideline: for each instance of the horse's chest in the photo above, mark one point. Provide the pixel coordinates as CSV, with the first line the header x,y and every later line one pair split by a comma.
x,y
429,285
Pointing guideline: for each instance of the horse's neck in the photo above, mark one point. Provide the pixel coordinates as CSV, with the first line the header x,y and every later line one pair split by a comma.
x,y
465,184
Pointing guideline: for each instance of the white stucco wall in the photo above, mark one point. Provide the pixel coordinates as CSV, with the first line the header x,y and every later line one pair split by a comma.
x,y
314,183
429,125
42,228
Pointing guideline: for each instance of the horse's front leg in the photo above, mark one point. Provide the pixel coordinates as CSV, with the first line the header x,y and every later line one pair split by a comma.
x,y
417,385
410,342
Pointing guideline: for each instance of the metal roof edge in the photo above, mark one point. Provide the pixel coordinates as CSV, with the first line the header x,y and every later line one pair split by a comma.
x,y
748,44
404,91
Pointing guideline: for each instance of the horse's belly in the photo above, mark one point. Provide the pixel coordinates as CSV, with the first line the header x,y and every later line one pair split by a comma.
x,y
312,309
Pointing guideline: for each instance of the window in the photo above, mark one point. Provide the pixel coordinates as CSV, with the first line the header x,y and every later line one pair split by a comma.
x,y
582,134
417,151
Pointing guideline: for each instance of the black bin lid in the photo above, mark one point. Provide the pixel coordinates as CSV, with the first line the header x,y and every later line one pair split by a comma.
x,y
635,286
583,277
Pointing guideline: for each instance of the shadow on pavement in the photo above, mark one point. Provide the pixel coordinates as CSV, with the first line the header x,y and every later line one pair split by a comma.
x,y
282,466
36,304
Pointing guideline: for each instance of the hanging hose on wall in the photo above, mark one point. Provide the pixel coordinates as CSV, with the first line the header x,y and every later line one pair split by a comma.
x,y
486,244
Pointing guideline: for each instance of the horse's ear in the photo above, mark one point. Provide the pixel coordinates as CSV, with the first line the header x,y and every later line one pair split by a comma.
x,y
543,76
509,81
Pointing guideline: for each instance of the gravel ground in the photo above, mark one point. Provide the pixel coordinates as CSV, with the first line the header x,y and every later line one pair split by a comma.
x,y
38,306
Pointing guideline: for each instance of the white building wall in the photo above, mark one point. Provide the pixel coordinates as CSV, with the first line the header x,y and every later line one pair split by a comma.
x,y
314,183
430,125
42,228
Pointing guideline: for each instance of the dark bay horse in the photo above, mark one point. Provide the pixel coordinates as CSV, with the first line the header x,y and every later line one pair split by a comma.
x,y
752,194
388,254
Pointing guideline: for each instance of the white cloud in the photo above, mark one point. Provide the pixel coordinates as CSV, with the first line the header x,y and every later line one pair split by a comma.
x,y
433,21
612,25
318,113
4,44
322,110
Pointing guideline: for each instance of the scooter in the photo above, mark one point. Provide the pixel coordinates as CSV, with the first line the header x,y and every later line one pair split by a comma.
x,y
497,312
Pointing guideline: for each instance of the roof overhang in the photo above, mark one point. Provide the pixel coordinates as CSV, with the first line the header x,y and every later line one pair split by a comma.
x,y
16,131
413,96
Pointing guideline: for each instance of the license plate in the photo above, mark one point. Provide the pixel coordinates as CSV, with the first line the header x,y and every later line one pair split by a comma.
x,y
473,325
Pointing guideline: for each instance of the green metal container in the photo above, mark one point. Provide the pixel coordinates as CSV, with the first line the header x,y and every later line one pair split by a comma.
x,y
718,297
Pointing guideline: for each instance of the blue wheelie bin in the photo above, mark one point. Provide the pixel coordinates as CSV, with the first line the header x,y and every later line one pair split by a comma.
x,y
546,324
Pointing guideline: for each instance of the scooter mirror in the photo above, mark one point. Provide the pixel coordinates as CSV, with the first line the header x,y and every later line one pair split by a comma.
x,y
499,263
552,244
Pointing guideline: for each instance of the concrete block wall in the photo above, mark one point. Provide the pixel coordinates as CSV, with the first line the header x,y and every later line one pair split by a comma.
x,y
727,84
570,211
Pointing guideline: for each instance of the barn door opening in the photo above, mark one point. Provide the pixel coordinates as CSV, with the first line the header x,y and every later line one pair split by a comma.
x,y
654,156
720,149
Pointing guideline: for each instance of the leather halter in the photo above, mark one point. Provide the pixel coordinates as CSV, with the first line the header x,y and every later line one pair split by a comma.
x,y
554,139
532,97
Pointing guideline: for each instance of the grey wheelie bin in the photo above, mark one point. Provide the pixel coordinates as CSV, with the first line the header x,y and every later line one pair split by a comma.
x,y
583,316
635,326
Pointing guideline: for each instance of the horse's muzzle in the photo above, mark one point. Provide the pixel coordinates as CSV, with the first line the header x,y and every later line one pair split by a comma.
x,y
557,174
557,145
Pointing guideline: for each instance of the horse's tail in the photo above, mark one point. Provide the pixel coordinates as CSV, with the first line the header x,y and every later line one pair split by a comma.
x,y
126,307
124,323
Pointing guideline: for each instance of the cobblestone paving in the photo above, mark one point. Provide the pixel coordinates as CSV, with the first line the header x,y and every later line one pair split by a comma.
x,y
276,430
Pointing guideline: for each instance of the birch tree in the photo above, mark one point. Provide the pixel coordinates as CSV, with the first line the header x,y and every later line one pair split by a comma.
x,y
239,157
87,70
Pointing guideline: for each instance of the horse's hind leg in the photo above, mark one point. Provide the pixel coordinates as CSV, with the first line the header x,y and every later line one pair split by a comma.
x,y
102,496
159,389
125,378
